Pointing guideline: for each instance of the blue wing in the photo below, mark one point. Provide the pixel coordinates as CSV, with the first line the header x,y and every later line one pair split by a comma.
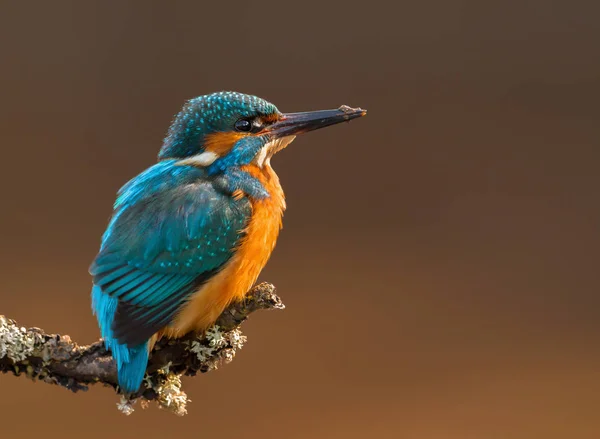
x,y
172,229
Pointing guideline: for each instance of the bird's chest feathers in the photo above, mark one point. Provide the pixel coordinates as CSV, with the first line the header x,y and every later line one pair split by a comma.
x,y
265,224
244,267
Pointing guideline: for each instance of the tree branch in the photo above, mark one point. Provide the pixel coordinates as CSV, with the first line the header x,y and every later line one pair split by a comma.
x,y
56,359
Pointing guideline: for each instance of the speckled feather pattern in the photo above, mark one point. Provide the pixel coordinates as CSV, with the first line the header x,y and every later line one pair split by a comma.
x,y
208,114
169,228
241,271
184,240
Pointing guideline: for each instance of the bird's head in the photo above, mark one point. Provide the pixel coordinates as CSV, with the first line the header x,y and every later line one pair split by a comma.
x,y
229,129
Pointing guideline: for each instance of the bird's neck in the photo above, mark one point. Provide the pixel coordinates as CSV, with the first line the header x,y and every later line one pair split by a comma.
x,y
270,181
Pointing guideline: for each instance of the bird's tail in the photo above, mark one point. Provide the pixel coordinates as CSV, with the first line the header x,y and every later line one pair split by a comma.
x,y
131,361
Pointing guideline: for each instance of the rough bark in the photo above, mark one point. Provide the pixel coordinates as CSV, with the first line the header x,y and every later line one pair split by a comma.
x,y
56,359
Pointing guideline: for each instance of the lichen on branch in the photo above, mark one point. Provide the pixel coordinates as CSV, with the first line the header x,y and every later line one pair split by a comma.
x,y
56,359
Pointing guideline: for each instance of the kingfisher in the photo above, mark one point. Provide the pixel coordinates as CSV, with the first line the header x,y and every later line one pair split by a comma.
x,y
192,233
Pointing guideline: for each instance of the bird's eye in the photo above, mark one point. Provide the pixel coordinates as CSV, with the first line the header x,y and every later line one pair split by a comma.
x,y
243,125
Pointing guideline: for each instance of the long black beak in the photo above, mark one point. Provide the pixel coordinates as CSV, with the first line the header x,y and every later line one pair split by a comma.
x,y
296,123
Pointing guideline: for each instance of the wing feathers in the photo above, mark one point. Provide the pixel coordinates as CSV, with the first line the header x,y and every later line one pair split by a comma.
x,y
171,231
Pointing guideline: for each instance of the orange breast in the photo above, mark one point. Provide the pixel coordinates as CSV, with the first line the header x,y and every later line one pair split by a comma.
x,y
242,270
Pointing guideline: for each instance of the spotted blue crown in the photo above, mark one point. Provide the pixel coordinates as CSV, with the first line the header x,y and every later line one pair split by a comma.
x,y
216,112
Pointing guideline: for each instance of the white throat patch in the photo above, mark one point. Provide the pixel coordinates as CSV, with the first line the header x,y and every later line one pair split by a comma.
x,y
263,156
270,148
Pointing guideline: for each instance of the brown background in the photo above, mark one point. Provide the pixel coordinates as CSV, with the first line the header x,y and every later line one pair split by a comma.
x,y
439,258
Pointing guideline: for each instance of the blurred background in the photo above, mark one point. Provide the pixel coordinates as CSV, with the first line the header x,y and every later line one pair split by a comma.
x,y
439,259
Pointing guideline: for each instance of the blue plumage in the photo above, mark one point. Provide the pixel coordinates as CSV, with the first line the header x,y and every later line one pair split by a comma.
x,y
131,361
203,115
172,229
178,223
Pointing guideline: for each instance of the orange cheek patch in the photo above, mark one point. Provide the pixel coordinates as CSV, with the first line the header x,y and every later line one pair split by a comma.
x,y
221,143
271,118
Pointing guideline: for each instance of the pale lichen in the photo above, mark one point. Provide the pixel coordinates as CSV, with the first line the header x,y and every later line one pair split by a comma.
x,y
170,395
17,343
217,346
148,381
236,339
225,356
166,369
214,348
125,406
202,352
212,342
215,337
56,359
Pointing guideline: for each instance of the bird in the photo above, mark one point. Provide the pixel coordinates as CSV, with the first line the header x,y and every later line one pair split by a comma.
x,y
191,234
